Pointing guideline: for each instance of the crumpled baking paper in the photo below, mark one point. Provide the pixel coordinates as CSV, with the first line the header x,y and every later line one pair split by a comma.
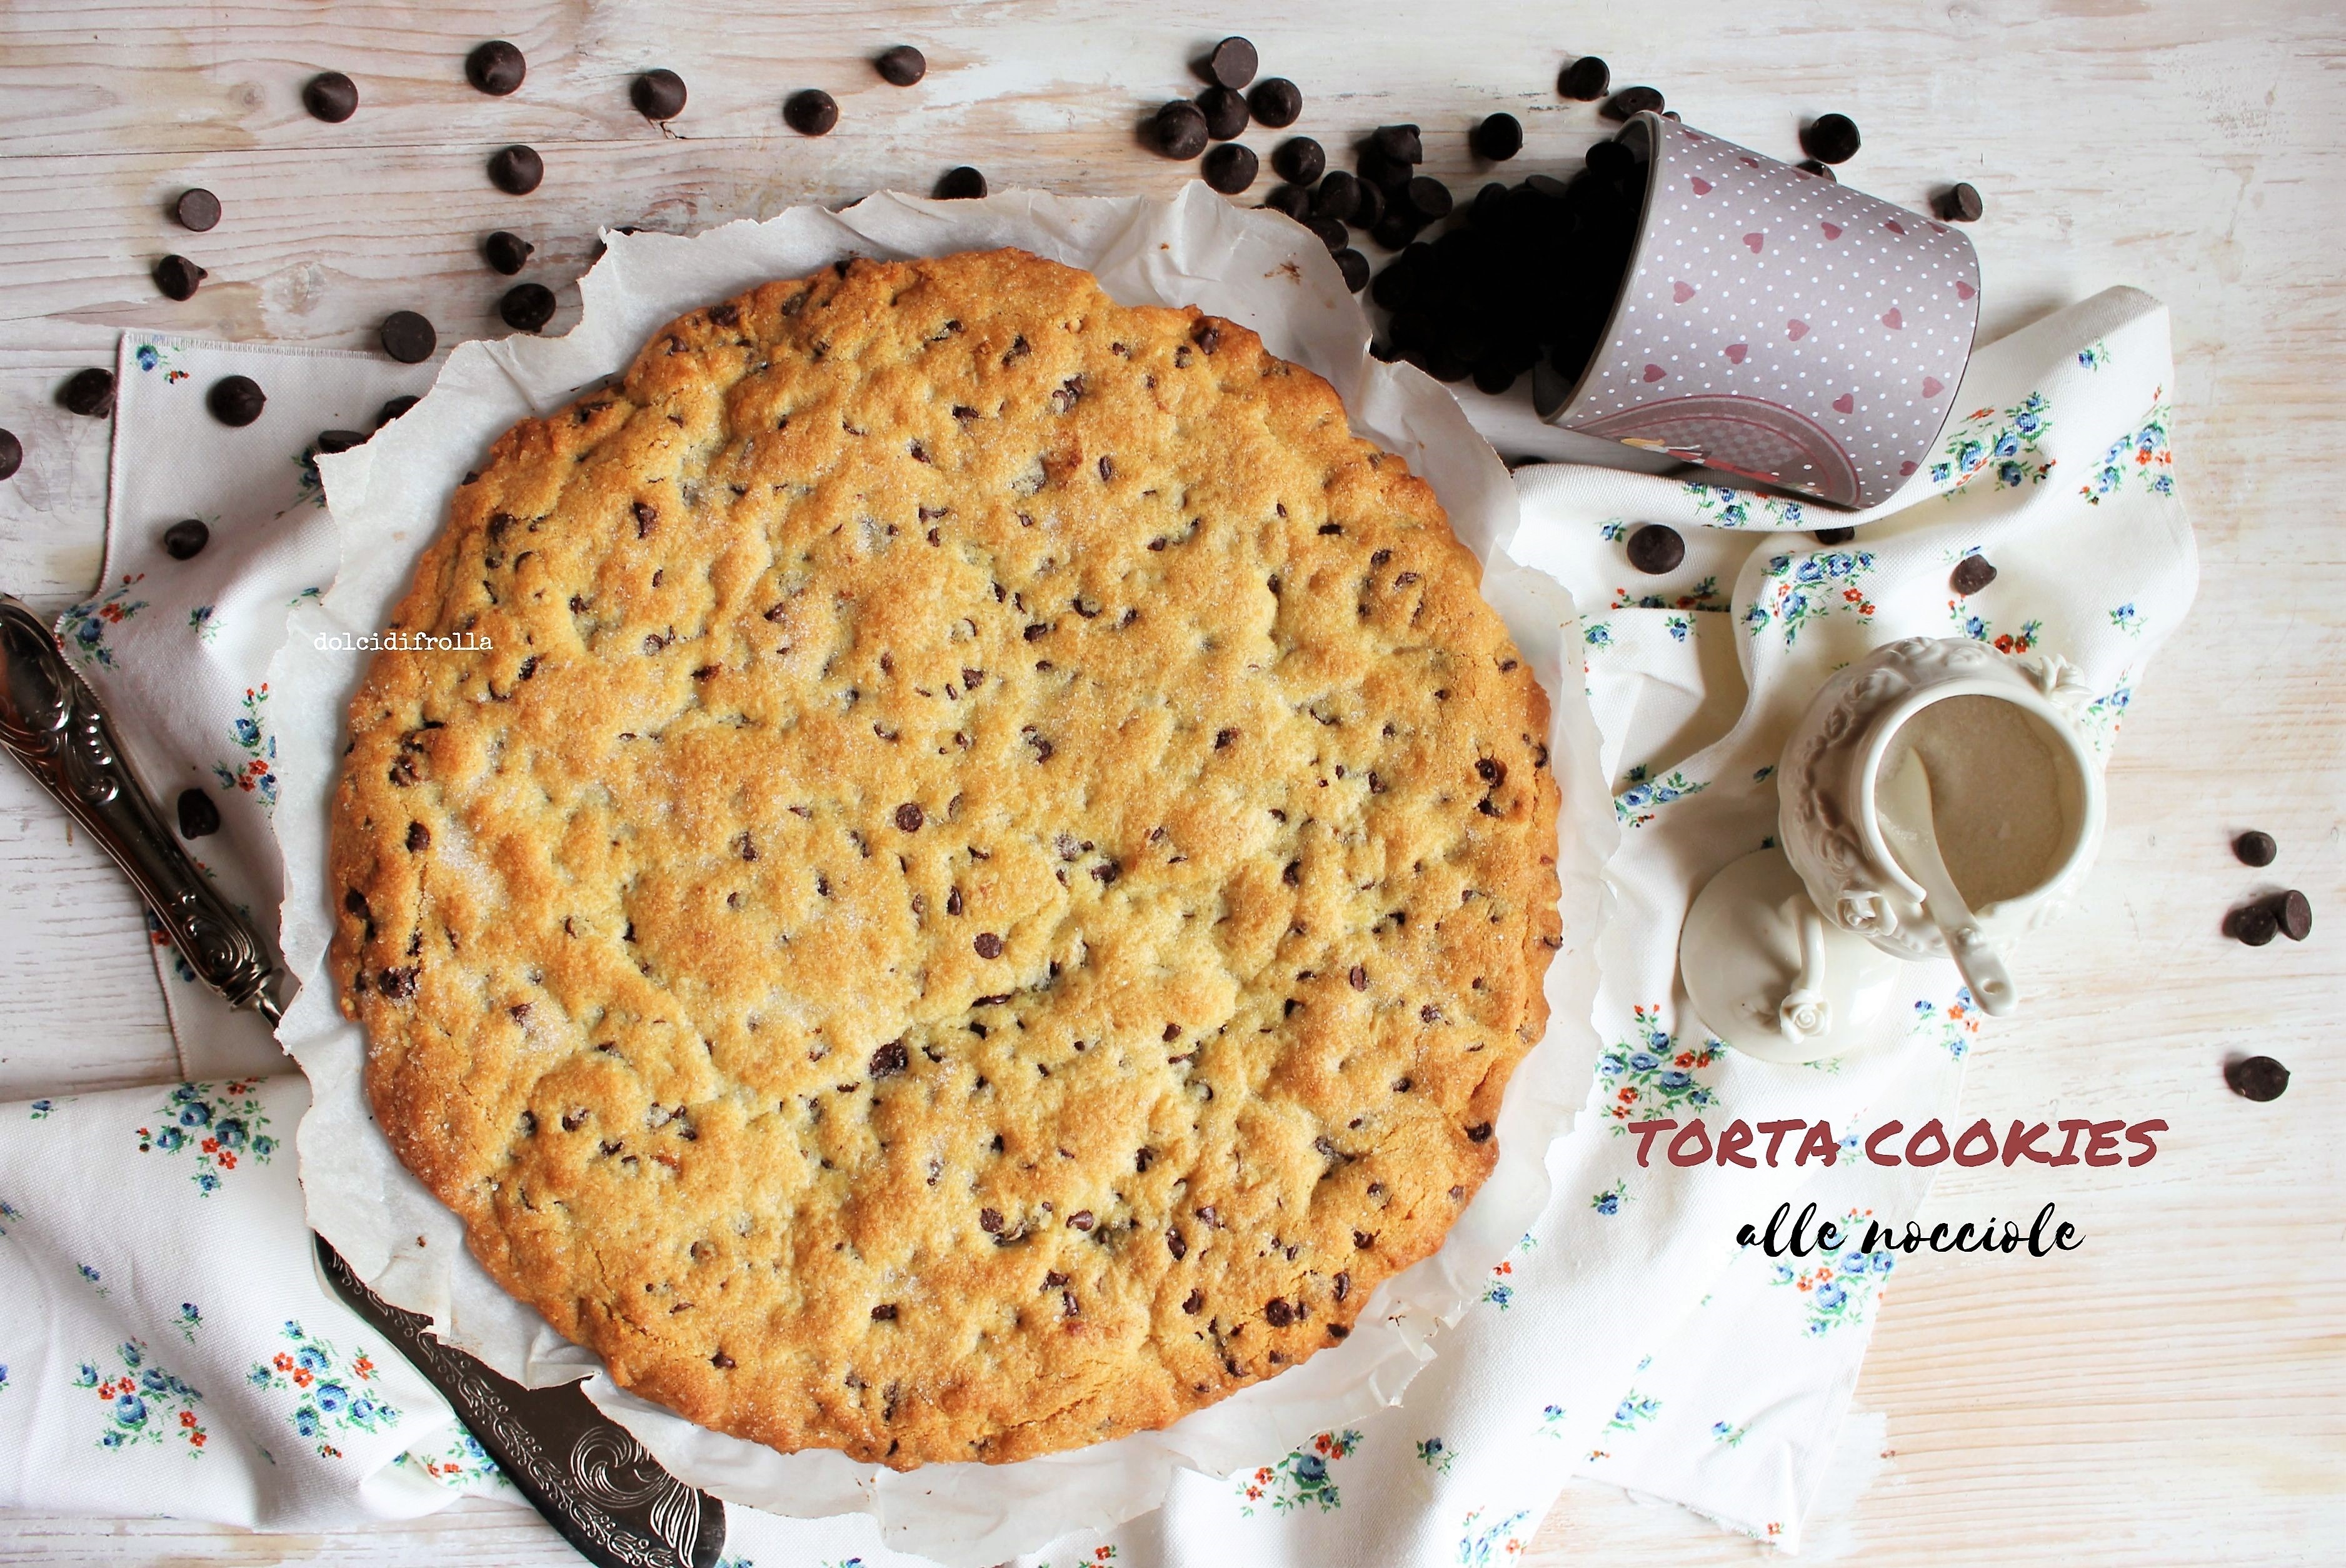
x,y
389,500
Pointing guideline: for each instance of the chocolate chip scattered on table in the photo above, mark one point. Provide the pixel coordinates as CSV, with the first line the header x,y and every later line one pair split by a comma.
x,y
1276,102
330,441
1226,113
1230,167
1498,137
507,252
1960,204
2253,925
2256,1078
658,94
526,307
1830,138
1232,64
1299,161
1971,573
1656,548
516,170
88,392
408,337
1631,101
198,818
963,183
496,68
1180,129
2294,913
12,454
393,409
901,66
1835,535
330,97
810,112
236,400
2255,847
185,540
1586,80
177,276
196,210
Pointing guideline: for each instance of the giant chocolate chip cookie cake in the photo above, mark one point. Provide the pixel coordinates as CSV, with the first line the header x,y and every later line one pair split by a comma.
x,y
984,883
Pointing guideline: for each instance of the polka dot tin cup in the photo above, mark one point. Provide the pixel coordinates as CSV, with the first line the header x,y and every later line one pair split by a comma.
x,y
1776,326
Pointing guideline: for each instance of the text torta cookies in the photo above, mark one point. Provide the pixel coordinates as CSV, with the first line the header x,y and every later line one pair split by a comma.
x,y
984,883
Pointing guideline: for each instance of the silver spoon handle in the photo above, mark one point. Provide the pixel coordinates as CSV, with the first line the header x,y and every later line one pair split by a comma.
x,y
52,722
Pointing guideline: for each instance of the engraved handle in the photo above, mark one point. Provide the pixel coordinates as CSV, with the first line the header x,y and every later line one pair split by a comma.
x,y
52,722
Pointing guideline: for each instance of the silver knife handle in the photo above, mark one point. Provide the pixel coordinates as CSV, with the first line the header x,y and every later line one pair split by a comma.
x,y
53,724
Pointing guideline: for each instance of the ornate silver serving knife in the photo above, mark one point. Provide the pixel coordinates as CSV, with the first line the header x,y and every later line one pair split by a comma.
x,y
586,1474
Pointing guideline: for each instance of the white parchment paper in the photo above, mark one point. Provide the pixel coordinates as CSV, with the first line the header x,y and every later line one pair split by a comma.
x,y
389,500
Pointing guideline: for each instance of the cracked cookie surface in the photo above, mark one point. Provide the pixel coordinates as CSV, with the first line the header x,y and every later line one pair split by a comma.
x,y
986,884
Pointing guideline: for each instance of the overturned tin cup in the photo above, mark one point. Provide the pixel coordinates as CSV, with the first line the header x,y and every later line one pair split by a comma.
x,y
1775,325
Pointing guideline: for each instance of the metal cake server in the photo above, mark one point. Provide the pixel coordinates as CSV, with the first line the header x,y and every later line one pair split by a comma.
x,y
585,1472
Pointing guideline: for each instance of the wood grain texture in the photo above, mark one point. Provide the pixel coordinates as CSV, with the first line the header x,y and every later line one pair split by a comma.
x,y
2173,1392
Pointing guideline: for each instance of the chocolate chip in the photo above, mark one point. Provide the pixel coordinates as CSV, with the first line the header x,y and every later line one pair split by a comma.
x,y
1230,167
890,1059
1195,1303
1830,138
902,65
1960,204
1299,161
909,817
393,409
408,338
2253,925
332,440
1358,977
1371,209
2295,914
1400,143
1499,137
1331,233
399,985
989,1221
1232,64
2255,848
236,400
1586,80
526,307
185,540
960,184
1337,197
1821,171
177,276
330,97
1429,199
1835,535
810,112
722,1361
1631,101
1480,1133
198,209
1971,573
1081,1219
1355,269
419,838
1292,200
516,170
197,815
506,252
90,392
1278,1313
987,944
1225,111
1656,549
1395,229
496,68
12,454
2256,1078
658,94
1276,102
1180,129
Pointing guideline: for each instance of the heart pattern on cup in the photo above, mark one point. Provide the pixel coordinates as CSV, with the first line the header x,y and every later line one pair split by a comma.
x,y
1755,241
1892,225
1682,291
1735,352
1701,185
1906,469
1932,386
1963,290
1892,319
1796,329
1832,231
1655,372
1845,403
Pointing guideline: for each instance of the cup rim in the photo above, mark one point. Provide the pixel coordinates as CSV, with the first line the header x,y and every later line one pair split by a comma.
x,y
2025,697
1651,138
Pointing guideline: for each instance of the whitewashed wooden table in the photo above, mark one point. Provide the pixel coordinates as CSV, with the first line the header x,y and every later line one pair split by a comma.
x,y
2176,1391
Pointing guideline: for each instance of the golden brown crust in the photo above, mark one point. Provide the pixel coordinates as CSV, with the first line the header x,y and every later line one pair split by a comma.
x,y
988,885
